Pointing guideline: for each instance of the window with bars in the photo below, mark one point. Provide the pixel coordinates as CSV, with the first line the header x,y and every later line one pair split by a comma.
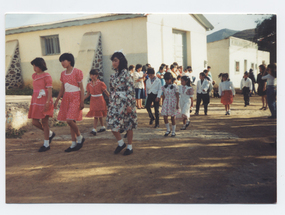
x,y
50,45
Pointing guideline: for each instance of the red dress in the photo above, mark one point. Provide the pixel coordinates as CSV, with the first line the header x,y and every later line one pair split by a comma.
x,y
40,82
98,107
70,104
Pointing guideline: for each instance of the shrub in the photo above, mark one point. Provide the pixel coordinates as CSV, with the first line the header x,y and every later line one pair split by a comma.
x,y
14,133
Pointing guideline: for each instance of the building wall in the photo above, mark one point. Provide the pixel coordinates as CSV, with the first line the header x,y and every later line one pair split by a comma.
x,y
127,34
218,58
160,40
241,50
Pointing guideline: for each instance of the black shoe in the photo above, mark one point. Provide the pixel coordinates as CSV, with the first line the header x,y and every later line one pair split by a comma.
x,y
93,132
70,149
187,124
126,135
79,145
183,128
102,129
151,121
173,135
196,113
43,149
52,136
119,148
156,126
167,133
206,114
128,152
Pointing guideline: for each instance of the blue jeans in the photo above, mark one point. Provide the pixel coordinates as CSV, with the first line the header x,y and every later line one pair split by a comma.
x,y
271,99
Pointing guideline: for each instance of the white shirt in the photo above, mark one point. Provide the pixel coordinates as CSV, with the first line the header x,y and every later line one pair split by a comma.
x,y
270,79
226,85
136,76
154,87
246,83
204,86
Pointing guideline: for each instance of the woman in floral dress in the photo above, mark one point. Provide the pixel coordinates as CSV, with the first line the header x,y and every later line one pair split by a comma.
x,y
122,103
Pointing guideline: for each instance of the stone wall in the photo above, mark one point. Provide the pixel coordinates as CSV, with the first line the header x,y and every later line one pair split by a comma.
x,y
14,77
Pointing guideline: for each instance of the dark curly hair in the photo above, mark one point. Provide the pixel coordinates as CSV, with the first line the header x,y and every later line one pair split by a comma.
x,y
123,61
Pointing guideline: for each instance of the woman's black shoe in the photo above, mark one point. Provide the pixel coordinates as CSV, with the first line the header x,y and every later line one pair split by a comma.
x,y
52,136
93,132
128,152
43,149
119,148
70,149
79,145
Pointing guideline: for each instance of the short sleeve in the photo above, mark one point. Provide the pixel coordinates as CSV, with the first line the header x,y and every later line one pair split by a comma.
x,y
190,92
79,76
176,88
48,81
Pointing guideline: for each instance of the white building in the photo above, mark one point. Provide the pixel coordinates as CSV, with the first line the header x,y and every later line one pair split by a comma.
x,y
235,56
144,38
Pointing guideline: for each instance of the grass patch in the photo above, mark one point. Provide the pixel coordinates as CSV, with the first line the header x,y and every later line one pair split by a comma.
x,y
27,91
14,133
59,124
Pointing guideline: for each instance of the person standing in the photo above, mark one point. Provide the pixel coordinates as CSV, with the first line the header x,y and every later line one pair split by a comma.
x,y
122,106
271,89
227,92
202,93
246,87
139,78
72,101
252,78
261,89
153,90
41,107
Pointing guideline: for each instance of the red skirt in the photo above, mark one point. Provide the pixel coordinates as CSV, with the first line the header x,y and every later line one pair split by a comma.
x,y
227,97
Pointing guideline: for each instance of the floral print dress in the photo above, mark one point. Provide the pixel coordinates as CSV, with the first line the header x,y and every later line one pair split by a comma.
x,y
170,100
122,95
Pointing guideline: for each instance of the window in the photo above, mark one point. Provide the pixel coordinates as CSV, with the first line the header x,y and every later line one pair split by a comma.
x,y
237,66
50,45
245,65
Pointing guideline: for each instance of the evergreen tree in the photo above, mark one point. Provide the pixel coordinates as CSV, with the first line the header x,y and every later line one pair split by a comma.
x,y
265,36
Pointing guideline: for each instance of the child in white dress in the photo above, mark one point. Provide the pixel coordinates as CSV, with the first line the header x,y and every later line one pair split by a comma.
x,y
170,103
186,100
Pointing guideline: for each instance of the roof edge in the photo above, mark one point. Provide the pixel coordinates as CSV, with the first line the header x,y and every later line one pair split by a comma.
x,y
73,22
203,21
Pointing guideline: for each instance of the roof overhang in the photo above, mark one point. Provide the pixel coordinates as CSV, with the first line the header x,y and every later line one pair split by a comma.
x,y
203,21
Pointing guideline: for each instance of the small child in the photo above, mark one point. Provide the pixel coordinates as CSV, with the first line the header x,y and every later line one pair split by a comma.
x,y
153,89
186,100
72,100
246,87
170,103
202,93
41,104
98,107
178,81
227,92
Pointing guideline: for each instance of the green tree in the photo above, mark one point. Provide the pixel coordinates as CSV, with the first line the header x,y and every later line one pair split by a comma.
x,y
265,36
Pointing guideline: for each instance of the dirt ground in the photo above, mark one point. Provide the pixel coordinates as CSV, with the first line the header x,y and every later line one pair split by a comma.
x,y
218,159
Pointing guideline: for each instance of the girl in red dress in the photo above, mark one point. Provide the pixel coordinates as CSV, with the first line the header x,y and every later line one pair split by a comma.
x,y
98,107
73,99
41,104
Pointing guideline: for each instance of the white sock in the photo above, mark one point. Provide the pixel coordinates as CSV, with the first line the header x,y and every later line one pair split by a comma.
x,y
73,144
167,127
188,121
94,129
79,138
103,127
46,143
50,133
121,142
173,129
130,147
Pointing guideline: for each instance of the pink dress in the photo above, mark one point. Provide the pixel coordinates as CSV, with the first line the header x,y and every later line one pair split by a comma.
x,y
40,83
98,107
70,104
170,100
